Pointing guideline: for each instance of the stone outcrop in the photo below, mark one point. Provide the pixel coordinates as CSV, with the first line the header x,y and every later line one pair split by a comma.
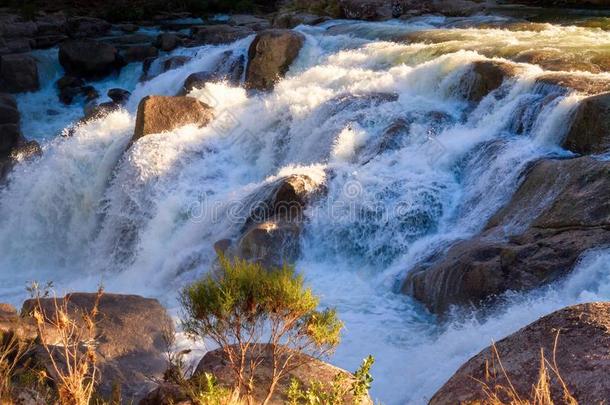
x,y
273,222
581,358
18,73
536,239
88,59
590,129
158,114
218,34
153,67
270,56
215,362
485,76
129,332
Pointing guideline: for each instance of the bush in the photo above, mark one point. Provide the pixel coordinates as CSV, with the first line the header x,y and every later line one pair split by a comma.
x,y
242,303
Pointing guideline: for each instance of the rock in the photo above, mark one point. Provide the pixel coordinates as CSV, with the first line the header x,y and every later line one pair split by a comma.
x,y
88,59
537,238
18,73
219,34
250,21
11,323
9,113
158,114
586,84
19,45
129,331
581,357
270,56
95,111
215,362
272,243
166,394
49,41
365,10
69,87
590,129
8,313
132,39
291,19
484,77
271,232
129,28
168,41
83,27
198,80
138,53
456,8
119,96
18,29
154,67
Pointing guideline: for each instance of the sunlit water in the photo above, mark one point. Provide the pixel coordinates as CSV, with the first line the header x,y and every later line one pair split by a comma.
x,y
144,220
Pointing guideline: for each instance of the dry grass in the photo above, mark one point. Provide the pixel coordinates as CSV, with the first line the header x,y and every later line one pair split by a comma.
x,y
540,393
71,358
12,351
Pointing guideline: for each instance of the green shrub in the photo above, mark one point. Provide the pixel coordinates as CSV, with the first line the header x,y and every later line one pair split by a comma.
x,y
243,303
336,392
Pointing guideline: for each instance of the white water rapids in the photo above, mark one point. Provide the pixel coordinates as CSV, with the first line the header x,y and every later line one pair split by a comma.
x,y
144,220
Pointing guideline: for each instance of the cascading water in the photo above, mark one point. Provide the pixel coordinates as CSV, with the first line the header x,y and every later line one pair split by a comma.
x,y
144,220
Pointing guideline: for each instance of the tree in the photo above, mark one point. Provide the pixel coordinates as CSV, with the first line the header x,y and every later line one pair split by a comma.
x,y
244,304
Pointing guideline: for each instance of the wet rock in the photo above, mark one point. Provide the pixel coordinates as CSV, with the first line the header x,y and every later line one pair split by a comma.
x,y
19,45
18,29
250,21
157,114
198,80
366,10
219,34
311,369
71,87
129,331
9,113
291,19
18,73
270,56
154,67
168,41
95,111
83,27
484,77
537,238
132,39
138,53
590,129
88,59
119,96
271,243
581,357
586,84
49,41
456,8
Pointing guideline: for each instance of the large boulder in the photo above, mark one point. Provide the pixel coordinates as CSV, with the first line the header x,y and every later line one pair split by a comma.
x,y
88,59
311,370
485,76
10,132
158,114
82,27
253,22
368,9
590,129
130,333
270,56
168,41
18,73
218,34
291,19
558,213
581,357
138,53
153,67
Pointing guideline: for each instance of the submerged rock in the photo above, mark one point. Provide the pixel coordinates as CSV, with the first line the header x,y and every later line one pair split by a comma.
x,y
536,239
18,73
581,357
590,129
129,330
271,243
270,56
88,59
158,114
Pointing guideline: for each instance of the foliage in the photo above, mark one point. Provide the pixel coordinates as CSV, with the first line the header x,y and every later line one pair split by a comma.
x,y
243,302
336,392
12,351
203,389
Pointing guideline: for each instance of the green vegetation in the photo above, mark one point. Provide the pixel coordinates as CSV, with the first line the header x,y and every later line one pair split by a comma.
x,y
337,391
242,303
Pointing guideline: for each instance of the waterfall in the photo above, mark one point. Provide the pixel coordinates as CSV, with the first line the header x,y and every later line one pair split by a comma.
x,y
409,165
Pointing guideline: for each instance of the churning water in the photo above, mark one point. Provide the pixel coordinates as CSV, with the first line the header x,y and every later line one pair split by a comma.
x,y
144,220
